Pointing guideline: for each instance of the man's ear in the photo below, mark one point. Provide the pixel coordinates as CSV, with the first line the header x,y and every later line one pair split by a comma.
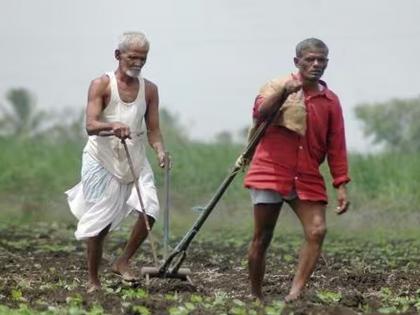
x,y
296,61
117,54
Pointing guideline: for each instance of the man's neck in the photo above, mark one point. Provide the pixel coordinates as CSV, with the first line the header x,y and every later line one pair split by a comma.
x,y
311,86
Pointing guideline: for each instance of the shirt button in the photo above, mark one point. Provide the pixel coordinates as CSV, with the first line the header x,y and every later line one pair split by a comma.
x,y
296,178
300,147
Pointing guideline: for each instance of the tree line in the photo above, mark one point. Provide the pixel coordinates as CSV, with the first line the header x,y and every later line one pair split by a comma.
x,y
393,124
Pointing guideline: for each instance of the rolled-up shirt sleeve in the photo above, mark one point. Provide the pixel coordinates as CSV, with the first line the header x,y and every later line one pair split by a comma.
x,y
336,147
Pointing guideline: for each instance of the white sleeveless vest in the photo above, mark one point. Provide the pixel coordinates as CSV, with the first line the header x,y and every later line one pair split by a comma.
x,y
109,151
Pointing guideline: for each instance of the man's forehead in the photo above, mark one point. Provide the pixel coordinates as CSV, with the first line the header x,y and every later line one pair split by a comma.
x,y
315,51
137,49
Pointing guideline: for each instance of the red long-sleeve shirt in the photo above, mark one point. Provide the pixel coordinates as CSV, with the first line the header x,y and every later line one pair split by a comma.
x,y
284,161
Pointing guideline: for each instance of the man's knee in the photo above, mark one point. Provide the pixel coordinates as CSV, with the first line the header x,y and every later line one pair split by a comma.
x,y
262,240
103,233
316,233
150,219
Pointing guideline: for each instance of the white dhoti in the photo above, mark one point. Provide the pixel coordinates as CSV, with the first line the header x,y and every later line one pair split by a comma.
x,y
100,199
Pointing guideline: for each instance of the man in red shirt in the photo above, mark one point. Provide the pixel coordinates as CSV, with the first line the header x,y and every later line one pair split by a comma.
x,y
285,166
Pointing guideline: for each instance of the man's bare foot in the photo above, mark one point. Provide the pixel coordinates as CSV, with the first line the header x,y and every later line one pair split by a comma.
x,y
259,298
93,287
123,270
292,296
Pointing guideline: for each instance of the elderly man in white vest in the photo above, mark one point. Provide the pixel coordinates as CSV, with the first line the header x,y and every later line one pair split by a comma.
x,y
125,104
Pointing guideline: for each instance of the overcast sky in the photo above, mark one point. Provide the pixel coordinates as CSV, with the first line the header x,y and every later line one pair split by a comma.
x,y
209,57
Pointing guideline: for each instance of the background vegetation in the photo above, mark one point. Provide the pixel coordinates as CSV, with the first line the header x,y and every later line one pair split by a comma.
x,y
40,159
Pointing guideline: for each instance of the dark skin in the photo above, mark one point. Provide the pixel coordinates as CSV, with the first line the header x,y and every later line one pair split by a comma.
x,y
311,65
130,63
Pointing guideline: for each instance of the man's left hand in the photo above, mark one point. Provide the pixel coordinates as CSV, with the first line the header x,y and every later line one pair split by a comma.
x,y
161,156
343,203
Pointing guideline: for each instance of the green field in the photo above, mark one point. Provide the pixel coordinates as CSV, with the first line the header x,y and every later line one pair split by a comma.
x,y
370,262
35,174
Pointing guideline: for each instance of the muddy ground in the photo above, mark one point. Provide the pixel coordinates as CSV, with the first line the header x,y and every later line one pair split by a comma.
x,y
42,269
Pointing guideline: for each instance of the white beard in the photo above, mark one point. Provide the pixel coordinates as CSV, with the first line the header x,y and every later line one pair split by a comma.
x,y
133,73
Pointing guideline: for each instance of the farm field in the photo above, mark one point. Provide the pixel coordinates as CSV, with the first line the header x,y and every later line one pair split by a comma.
x,y
370,262
42,271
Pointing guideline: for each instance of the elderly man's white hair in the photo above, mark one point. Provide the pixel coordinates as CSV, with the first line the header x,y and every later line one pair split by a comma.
x,y
129,39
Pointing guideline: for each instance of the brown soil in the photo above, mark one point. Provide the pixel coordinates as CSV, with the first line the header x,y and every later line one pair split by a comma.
x,y
49,267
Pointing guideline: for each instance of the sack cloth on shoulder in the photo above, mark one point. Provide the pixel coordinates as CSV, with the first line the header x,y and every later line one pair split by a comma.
x,y
292,114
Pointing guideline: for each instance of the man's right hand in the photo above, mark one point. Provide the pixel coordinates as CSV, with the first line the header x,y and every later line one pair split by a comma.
x,y
121,130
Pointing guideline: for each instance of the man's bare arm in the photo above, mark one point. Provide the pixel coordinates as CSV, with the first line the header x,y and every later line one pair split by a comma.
x,y
152,122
